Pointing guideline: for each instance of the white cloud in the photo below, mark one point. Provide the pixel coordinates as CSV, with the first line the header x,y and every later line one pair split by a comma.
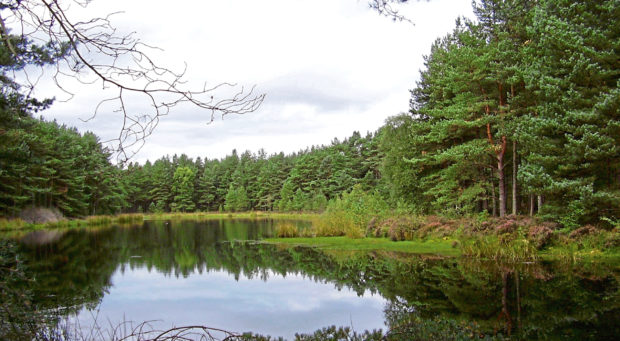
x,y
328,67
215,298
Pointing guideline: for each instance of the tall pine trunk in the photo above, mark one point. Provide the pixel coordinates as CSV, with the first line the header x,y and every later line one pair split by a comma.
x,y
493,200
502,185
499,152
532,204
515,169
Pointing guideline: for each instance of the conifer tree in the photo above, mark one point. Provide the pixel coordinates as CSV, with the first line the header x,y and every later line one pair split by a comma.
x,y
183,189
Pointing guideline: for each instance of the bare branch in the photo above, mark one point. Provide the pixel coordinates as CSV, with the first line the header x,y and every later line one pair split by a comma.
x,y
98,53
385,8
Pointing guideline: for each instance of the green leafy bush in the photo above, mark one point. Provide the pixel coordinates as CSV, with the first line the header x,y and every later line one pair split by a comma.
x,y
350,214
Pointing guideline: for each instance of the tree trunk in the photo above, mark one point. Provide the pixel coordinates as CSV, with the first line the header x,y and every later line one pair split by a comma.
x,y
505,312
493,202
518,301
532,204
515,169
502,184
500,169
540,202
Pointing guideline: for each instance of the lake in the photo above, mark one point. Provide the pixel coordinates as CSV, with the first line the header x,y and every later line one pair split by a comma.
x,y
214,273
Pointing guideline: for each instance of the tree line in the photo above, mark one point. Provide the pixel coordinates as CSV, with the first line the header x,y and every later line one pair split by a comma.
x,y
305,180
515,113
45,164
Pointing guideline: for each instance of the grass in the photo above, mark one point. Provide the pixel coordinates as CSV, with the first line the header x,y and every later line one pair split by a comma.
x,y
235,215
286,230
90,221
135,218
574,253
438,247
423,235
12,224
513,249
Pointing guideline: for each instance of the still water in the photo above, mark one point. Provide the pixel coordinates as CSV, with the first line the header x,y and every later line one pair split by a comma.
x,y
212,273
273,305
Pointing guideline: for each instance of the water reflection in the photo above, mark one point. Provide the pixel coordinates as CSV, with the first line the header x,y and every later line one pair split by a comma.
x,y
278,306
188,264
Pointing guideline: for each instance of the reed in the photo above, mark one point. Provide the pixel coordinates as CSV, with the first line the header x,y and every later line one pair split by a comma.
x,y
129,218
98,220
287,230
511,248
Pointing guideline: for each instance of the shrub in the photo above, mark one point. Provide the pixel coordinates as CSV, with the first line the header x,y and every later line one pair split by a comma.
x,y
399,229
539,235
351,214
582,231
332,223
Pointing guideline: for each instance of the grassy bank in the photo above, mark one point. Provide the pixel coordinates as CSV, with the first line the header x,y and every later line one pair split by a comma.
x,y
135,218
512,239
91,221
235,215
507,239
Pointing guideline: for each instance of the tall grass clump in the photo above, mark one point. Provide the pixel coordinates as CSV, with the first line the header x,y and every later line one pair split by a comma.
x,y
129,218
350,214
63,223
287,230
333,223
98,220
12,224
506,247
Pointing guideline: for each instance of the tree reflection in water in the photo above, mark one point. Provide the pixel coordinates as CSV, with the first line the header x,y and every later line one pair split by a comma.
x,y
429,297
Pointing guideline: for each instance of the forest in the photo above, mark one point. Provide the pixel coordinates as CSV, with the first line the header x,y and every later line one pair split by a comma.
x,y
516,112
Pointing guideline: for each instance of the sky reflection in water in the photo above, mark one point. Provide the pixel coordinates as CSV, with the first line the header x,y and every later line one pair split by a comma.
x,y
277,306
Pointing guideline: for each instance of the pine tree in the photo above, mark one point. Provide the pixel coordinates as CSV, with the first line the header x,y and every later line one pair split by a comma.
x,y
572,136
183,189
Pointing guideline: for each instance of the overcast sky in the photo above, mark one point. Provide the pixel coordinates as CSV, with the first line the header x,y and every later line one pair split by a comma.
x,y
328,67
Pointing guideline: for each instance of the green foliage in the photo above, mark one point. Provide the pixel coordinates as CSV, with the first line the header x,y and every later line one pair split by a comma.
x,y
183,189
528,91
236,199
11,224
511,247
302,181
350,214
47,165
20,318
572,142
407,324
334,333
535,79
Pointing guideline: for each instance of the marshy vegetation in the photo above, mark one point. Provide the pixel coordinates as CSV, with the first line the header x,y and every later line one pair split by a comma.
x,y
360,215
